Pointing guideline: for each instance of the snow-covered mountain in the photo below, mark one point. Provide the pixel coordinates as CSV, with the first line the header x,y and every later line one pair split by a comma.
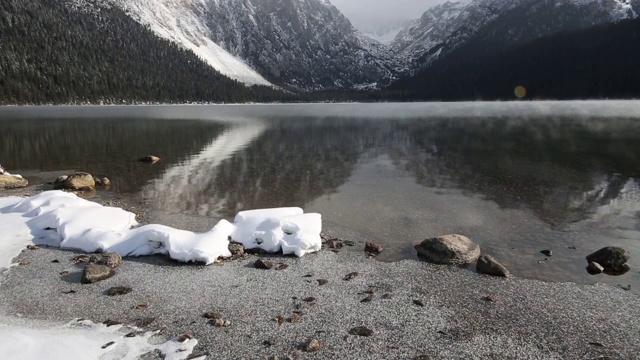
x,y
445,27
384,33
301,44
298,44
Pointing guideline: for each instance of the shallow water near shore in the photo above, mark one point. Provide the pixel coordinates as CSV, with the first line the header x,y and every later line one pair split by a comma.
x,y
517,178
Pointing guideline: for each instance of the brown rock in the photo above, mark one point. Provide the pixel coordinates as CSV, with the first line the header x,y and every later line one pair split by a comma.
x,y
367,299
387,296
236,249
595,268
32,247
112,260
93,273
449,250
212,315
488,265
102,181
372,249
8,182
81,258
322,281
334,244
282,267
78,181
24,262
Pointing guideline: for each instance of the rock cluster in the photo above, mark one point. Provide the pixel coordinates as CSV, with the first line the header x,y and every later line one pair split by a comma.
x,y
611,260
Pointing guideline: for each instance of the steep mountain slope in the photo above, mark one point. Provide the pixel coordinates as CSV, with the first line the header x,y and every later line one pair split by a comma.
x,y
54,53
298,44
445,27
301,44
597,62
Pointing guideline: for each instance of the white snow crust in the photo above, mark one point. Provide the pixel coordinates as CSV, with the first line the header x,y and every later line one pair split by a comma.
x,y
60,219
81,339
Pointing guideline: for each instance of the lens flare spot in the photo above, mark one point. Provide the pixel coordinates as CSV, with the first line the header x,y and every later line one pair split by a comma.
x,y
520,91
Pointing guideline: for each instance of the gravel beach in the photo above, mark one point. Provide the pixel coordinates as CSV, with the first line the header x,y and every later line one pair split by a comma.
x,y
415,308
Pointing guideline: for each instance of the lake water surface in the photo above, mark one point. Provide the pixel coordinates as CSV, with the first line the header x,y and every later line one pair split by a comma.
x,y
515,177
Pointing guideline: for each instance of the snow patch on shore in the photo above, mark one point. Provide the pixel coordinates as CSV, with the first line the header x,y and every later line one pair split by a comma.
x,y
81,339
60,219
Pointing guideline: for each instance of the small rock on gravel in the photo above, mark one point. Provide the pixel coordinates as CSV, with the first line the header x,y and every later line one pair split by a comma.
x,y
322,281
112,260
263,264
361,331
350,276
367,299
312,345
418,302
119,290
93,273
282,267
212,315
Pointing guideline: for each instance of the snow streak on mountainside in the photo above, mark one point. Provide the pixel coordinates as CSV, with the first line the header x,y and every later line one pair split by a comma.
x,y
301,44
182,22
445,27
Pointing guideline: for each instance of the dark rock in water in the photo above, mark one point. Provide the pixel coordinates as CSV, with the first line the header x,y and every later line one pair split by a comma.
x,y
149,159
322,281
361,331
93,273
488,265
372,249
546,252
102,181
449,250
610,257
8,182
119,290
350,276
263,264
595,268
617,270
112,260
312,345
78,181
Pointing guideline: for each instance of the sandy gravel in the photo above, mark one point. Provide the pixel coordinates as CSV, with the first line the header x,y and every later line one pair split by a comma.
x,y
528,319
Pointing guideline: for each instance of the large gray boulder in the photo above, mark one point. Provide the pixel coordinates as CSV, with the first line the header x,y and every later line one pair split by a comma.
x,y
449,250
8,182
610,257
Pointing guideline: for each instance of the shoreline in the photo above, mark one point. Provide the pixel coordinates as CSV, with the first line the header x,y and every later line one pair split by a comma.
x,y
525,319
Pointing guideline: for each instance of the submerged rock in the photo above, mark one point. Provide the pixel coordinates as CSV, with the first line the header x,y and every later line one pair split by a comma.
x,y
372,248
546,252
449,250
93,273
8,182
102,181
488,265
595,268
610,257
112,260
151,159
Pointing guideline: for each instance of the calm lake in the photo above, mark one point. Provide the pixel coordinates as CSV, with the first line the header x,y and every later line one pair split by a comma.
x,y
517,177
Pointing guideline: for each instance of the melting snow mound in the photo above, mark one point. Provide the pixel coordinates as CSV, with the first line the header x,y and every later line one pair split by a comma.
x,y
60,219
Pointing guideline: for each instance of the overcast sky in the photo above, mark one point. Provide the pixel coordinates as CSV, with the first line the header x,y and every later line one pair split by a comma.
x,y
373,12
